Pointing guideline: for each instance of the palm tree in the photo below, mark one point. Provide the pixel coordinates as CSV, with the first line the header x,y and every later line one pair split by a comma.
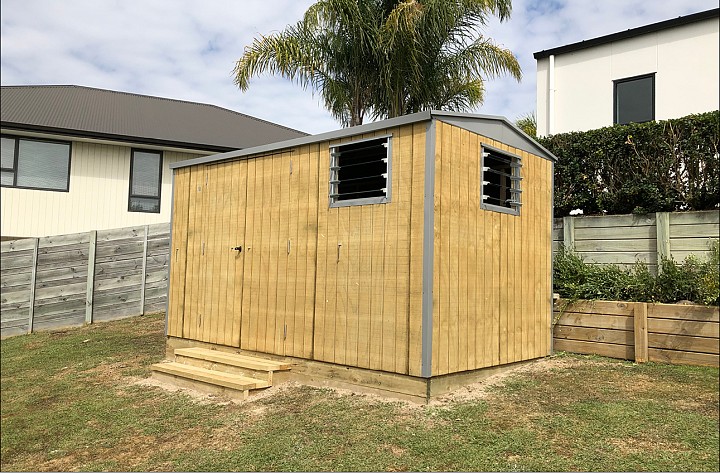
x,y
528,124
386,58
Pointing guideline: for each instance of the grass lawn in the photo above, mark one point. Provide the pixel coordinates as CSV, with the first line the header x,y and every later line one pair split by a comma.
x,y
71,401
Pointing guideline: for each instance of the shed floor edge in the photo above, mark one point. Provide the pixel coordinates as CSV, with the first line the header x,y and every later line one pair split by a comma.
x,y
360,380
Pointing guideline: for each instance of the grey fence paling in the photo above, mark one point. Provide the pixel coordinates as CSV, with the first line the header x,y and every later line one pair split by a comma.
x,y
626,239
68,280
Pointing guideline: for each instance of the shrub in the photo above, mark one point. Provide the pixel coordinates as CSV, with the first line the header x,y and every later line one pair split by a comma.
x,y
693,280
639,168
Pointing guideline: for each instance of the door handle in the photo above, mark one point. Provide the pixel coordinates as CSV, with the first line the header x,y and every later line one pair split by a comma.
x,y
237,248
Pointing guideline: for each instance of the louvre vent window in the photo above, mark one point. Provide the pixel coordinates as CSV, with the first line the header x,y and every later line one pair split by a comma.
x,y
145,181
35,164
501,181
360,172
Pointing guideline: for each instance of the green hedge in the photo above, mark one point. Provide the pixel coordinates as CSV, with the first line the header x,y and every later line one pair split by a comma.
x,y
639,168
692,280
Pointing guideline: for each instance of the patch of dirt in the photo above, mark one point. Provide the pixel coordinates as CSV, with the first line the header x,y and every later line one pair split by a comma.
x,y
484,388
628,446
209,398
131,451
479,390
197,396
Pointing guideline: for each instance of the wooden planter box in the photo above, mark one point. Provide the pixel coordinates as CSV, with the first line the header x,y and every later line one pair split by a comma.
x,y
672,333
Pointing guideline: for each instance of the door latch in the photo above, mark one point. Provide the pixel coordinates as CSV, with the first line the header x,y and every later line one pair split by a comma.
x,y
237,248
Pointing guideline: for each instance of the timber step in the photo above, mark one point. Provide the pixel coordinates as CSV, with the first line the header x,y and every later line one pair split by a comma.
x,y
219,378
218,372
232,359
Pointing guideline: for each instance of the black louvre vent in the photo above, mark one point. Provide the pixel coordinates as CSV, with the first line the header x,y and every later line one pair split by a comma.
x,y
359,171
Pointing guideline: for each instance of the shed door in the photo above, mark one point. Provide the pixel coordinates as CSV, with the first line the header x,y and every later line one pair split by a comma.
x,y
278,294
214,273
260,298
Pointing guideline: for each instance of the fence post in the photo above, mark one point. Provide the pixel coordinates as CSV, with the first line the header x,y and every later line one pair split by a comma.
x,y
640,311
569,232
33,275
144,271
90,278
662,225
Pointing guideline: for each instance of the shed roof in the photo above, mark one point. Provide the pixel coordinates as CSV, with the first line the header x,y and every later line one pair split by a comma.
x,y
107,114
632,32
495,127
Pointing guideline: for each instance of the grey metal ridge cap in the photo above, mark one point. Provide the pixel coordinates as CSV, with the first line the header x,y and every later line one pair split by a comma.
x,y
327,136
356,130
449,113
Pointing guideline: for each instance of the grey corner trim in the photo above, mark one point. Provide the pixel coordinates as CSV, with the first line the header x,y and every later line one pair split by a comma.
x,y
367,200
170,254
552,259
428,251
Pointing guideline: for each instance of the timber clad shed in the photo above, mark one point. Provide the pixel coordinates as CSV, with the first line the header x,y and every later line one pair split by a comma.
x,y
407,255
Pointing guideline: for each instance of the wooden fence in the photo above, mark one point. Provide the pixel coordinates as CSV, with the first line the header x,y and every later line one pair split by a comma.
x,y
68,280
672,333
625,239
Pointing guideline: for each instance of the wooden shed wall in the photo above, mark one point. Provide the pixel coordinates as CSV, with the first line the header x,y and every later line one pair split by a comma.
x,y
492,271
330,284
368,308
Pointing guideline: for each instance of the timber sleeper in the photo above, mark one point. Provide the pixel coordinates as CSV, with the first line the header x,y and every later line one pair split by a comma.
x,y
210,378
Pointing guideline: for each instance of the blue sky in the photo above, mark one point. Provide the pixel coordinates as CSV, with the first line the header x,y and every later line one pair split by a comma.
x,y
186,49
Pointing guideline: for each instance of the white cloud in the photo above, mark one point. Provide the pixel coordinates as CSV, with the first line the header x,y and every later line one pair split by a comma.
x,y
186,49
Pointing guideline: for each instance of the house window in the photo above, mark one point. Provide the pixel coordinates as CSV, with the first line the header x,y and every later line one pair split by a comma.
x,y
634,100
35,164
500,181
145,181
360,172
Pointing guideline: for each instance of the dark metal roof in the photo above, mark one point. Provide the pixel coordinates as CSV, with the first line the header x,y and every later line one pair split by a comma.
x,y
106,114
494,127
652,28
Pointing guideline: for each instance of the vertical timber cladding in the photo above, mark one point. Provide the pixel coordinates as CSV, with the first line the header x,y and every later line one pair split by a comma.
x,y
178,251
279,252
492,270
260,296
369,266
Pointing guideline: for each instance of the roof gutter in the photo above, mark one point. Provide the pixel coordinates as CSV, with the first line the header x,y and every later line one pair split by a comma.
x,y
115,137
630,33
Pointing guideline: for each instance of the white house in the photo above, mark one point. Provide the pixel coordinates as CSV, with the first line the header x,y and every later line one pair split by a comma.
x,y
76,159
655,72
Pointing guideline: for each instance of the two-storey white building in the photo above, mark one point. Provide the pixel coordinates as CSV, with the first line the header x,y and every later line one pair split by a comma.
x,y
655,72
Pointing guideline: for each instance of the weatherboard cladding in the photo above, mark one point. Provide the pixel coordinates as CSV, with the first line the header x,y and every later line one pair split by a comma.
x,y
631,33
86,111
493,127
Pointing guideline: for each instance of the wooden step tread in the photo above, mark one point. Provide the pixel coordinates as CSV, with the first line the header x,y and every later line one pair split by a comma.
x,y
218,378
233,359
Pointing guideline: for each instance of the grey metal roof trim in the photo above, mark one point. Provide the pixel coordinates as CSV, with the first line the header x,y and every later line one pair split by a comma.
x,y
630,33
367,128
131,117
516,138
306,140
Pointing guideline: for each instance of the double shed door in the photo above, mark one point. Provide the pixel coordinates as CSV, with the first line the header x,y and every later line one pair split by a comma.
x,y
250,256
